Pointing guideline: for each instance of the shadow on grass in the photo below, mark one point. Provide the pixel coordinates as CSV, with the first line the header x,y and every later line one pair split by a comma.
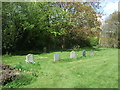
x,y
73,59
27,52
96,48
78,58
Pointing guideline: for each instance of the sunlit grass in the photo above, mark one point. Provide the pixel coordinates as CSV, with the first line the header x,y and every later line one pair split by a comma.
x,y
99,71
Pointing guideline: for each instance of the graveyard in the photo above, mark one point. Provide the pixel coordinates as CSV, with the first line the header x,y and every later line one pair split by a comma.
x,y
59,44
98,71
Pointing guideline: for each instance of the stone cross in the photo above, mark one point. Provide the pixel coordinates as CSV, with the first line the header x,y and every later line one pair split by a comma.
x,y
30,58
72,54
84,53
56,57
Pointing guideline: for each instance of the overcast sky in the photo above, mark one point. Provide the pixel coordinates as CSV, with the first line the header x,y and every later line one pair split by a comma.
x,y
109,6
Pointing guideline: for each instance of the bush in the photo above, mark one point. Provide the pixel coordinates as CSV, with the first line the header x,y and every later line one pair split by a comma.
x,y
94,41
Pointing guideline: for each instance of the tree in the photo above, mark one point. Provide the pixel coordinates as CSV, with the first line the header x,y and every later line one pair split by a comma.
x,y
83,20
110,31
32,26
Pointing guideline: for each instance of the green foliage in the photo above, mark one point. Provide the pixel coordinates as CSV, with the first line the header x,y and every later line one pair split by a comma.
x,y
110,33
19,66
20,81
35,25
94,41
25,66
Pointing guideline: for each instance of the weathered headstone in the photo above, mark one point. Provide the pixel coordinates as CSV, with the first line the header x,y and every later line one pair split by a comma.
x,y
92,53
84,53
56,57
44,49
72,54
30,58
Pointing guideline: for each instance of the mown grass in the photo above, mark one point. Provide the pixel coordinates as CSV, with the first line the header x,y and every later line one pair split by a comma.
x,y
99,71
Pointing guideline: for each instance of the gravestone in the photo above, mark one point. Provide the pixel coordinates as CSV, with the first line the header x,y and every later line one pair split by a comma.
x,y
84,53
30,58
56,57
92,53
44,49
72,54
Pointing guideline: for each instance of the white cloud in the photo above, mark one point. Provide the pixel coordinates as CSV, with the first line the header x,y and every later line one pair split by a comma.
x,y
109,8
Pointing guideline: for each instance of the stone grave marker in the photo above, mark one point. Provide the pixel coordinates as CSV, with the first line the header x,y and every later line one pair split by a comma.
x,y
56,57
72,54
30,58
84,53
44,49
92,53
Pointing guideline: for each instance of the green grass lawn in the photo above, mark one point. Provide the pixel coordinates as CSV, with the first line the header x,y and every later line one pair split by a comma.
x,y
99,71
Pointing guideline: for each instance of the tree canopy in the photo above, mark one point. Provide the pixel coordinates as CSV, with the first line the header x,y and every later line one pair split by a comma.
x,y
34,25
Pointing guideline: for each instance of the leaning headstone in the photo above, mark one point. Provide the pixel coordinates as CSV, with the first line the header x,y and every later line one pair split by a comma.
x,y
92,53
84,53
30,58
56,57
72,54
